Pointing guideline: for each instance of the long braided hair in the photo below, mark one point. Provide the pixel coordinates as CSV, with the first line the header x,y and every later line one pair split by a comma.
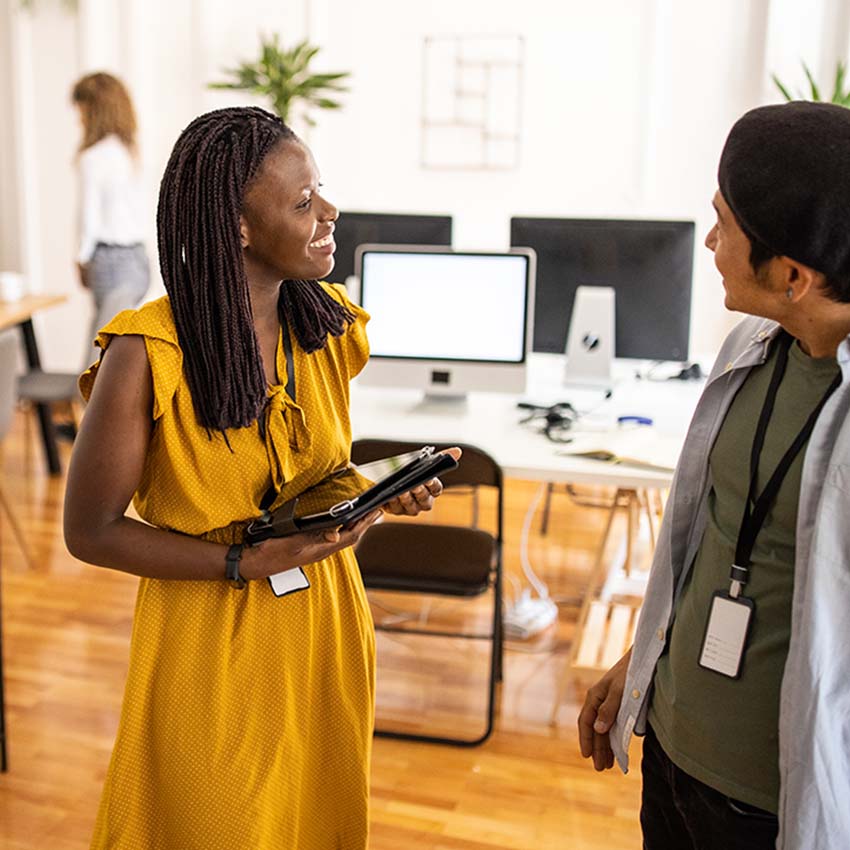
x,y
200,257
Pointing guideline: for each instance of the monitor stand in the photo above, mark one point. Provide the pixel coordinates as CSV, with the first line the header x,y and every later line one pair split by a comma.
x,y
590,341
440,402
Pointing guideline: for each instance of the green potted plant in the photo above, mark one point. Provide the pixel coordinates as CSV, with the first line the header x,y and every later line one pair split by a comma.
x,y
840,94
285,78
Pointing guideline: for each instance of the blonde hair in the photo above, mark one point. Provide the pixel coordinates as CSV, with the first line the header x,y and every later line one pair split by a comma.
x,y
106,108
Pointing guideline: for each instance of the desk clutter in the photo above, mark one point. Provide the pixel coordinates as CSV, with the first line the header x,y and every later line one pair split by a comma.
x,y
631,441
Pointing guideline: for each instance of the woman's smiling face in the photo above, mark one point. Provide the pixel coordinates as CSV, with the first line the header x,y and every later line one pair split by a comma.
x,y
287,226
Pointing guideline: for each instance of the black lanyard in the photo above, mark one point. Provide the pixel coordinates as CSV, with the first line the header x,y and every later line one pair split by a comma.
x,y
756,508
287,352
271,493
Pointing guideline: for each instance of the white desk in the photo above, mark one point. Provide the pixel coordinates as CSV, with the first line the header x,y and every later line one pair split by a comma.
x,y
490,421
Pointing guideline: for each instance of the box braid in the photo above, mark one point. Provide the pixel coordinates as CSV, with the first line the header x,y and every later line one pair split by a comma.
x,y
200,257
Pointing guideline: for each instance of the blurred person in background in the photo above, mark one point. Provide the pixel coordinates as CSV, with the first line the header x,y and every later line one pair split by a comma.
x,y
111,259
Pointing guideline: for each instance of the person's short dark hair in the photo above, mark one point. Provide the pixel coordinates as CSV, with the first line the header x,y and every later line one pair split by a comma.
x,y
836,289
785,174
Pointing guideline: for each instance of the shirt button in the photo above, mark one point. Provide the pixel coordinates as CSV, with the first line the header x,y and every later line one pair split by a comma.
x,y
636,693
728,366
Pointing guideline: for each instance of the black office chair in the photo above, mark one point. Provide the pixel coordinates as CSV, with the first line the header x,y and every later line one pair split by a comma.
x,y
444,560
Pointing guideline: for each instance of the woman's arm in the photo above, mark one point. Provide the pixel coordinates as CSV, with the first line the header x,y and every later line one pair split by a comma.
x,y
105,471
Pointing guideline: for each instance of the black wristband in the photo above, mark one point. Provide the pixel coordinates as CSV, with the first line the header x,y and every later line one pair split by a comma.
x,y
231,566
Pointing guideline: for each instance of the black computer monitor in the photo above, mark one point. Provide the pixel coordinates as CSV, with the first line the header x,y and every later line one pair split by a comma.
x,y
648,263
362,228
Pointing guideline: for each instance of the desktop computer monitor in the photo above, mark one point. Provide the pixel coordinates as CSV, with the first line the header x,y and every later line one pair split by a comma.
x,y
361,228
447,322
649,264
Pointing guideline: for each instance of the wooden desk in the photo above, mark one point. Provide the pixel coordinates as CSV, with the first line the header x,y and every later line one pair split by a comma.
x,y
20,313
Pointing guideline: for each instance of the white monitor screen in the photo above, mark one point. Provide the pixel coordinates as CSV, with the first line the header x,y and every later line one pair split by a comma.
x,y
442,305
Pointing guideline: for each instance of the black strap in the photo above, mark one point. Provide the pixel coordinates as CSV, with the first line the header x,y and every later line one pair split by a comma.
x,y
231,566
756,507
271,494
268,498
290,360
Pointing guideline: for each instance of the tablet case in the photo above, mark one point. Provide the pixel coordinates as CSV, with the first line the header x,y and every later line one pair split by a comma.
x,y
346,496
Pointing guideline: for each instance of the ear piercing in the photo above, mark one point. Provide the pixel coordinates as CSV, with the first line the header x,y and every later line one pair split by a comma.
x,y
789,293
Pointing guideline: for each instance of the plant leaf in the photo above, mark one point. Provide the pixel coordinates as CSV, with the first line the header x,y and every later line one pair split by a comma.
x,y
282,75
325,103
812,84
785,93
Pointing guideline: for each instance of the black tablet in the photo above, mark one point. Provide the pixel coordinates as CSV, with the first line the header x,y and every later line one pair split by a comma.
x,y
346,496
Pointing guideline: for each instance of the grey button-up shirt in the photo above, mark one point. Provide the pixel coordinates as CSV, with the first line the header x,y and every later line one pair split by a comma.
x,y
814,712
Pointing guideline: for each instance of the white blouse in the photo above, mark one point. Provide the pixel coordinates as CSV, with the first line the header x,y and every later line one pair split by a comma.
x,y
111,197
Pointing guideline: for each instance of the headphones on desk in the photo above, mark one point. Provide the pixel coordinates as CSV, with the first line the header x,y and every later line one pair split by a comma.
x,y
555,420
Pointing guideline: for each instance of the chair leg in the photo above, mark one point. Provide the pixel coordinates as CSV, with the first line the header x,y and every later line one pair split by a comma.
x,y
4,761
16,529
495,677
500,642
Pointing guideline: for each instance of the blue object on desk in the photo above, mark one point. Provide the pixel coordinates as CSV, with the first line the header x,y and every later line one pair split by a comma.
x,y
637,420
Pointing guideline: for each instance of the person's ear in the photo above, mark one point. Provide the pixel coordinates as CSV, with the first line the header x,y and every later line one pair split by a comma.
x,y
243,232
796,279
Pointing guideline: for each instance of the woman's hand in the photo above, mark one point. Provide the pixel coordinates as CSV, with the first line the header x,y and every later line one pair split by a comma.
x,y
83,271
422,497
283,553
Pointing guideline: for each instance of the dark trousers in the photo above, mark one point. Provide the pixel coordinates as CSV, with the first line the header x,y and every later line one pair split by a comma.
x,y
680,813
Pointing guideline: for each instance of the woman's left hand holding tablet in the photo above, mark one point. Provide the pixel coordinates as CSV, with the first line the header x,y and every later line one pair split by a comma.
x,y
420,498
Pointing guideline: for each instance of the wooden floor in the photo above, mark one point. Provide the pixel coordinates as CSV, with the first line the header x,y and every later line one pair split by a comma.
x,y
66,629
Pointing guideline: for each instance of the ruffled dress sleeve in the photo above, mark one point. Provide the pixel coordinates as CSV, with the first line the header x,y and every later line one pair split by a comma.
x,y
355,344
155,323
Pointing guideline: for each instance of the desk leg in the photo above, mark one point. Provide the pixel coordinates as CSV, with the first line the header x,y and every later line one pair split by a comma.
x,y
45,416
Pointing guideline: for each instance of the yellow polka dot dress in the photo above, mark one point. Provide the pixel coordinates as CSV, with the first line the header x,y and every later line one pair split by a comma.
x,y
247,717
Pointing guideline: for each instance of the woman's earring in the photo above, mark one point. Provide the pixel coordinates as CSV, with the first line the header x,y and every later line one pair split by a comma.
x,y
789,293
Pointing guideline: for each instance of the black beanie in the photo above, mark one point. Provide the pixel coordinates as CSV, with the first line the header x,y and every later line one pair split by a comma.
x,y
785,173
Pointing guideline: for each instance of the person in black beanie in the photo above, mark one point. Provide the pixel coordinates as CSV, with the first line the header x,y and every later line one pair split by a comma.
x,y
739,676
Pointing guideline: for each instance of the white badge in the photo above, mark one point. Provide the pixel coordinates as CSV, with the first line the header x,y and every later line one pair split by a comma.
x,y
726,634
288,581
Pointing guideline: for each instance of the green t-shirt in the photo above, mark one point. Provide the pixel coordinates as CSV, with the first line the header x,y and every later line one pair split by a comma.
x,y
724,732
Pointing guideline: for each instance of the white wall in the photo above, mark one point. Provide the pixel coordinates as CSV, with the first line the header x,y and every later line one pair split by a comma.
x,y
626,106
9,244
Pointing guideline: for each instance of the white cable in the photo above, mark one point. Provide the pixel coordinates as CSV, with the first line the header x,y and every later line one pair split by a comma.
x,y
527,616
536,583
517,587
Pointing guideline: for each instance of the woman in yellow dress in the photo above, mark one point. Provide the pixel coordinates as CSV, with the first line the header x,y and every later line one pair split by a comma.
x,y
248,710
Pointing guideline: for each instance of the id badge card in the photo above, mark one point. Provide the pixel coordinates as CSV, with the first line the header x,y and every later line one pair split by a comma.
x,y
288,581
726,631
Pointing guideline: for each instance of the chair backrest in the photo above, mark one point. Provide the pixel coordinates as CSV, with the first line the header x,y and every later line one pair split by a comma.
x,y
476,467
9,347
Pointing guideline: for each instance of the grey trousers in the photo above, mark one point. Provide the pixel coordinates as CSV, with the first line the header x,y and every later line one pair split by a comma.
x,y
119,276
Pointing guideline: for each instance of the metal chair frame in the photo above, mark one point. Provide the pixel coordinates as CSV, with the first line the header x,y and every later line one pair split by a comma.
x,y
364,451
